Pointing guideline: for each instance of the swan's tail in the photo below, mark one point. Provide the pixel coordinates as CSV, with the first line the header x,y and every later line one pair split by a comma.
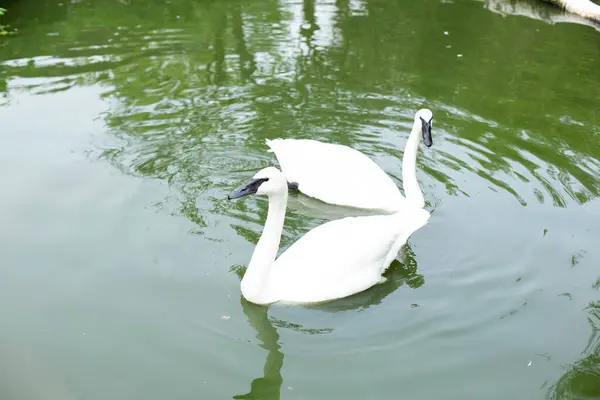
x,y
272,143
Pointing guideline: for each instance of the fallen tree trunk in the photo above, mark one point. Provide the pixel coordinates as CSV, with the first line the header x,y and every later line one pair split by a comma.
x,y
584,8
539,10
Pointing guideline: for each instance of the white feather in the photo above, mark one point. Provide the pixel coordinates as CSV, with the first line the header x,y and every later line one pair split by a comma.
x,y
342,257
336,174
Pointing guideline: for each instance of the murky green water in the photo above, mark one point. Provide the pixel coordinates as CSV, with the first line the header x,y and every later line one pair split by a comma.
x,y
123,126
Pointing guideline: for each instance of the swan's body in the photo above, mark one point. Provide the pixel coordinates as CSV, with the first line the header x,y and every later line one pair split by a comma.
x,y
332,261
330,172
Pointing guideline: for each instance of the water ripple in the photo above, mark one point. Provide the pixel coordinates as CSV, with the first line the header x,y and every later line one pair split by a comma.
x,y
190,104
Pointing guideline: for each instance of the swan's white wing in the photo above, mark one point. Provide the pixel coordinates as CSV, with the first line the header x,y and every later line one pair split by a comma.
x,y
336,174
342,257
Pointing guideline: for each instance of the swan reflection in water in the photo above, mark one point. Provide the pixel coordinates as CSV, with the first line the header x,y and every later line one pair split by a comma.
x,y
268,387
306,206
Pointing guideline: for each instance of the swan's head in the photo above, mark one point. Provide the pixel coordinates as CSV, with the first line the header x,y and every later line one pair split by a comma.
x,y
425,117
269,181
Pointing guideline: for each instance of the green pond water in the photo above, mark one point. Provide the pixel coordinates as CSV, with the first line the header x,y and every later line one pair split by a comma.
x,y
125,124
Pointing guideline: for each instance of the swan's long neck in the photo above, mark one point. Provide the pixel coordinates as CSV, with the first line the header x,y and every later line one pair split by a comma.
x,y
412,191
256,280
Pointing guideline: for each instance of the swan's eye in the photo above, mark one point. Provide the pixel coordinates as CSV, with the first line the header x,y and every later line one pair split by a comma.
x,y
255,183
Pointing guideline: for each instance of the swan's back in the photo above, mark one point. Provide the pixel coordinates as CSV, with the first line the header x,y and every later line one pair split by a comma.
x,y
342,257
336,174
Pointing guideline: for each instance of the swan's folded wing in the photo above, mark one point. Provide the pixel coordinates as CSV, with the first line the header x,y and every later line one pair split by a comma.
x,y
341,257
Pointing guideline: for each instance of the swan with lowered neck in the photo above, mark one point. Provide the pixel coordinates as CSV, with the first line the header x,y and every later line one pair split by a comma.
x,y
330,172
332,261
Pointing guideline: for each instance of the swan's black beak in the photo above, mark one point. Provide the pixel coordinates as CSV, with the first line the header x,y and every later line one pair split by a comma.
x,y
250,188
427,139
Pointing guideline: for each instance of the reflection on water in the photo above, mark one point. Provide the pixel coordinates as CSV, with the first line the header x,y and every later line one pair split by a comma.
x,y
269,386
191,90
203,122
582,379
193,103
314,208
539,10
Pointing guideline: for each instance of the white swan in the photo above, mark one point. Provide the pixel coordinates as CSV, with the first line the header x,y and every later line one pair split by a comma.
x,y
340,175
331,261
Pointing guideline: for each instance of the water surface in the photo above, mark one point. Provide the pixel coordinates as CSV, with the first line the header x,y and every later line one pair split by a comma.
x,y
123,127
